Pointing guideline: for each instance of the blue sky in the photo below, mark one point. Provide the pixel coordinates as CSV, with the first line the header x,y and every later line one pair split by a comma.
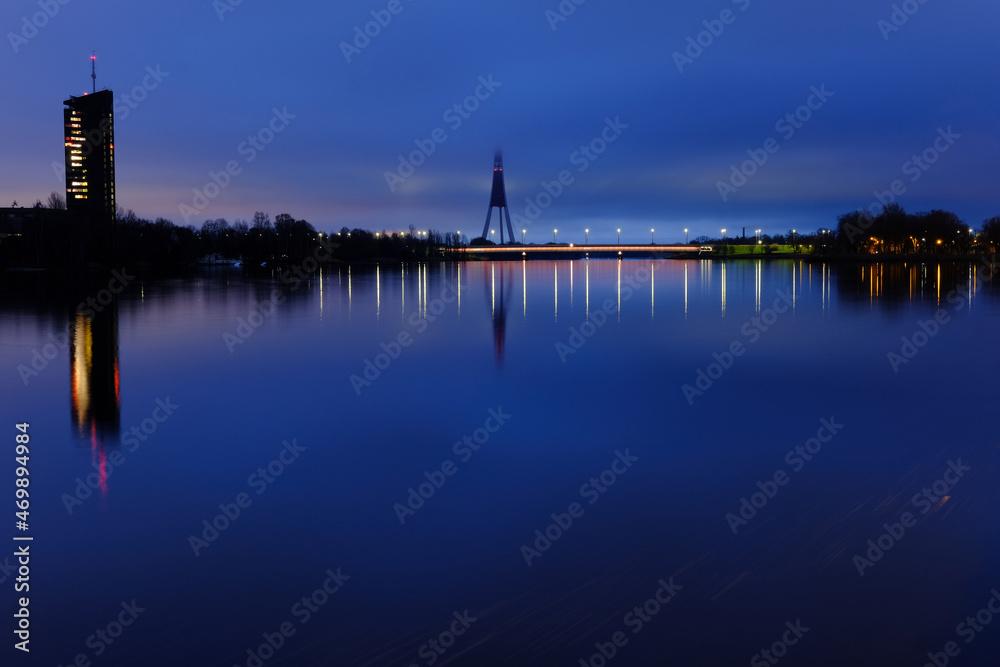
x,y
223,70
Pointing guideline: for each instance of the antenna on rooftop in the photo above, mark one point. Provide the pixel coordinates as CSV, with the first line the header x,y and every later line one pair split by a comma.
x,y
93,69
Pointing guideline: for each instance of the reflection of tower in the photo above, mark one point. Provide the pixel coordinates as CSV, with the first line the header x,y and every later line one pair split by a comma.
x,y
95,394
499,311
94,383
498,199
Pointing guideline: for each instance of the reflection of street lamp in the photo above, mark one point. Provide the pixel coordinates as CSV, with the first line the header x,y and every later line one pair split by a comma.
x,y
586,237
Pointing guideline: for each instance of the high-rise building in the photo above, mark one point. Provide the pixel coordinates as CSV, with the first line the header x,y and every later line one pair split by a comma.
x,y
90,164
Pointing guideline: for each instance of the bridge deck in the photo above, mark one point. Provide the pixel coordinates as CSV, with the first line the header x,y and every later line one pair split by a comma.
x,y
576,249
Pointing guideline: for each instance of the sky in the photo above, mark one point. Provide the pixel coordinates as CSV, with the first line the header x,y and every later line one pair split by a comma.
x,y
655,115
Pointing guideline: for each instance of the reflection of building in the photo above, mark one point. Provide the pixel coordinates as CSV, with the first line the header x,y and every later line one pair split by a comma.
x,y
94,384
89,132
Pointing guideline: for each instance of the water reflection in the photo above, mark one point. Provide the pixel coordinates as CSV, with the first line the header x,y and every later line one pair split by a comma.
x,y
93,334
499,309
95,388
95,397
896,284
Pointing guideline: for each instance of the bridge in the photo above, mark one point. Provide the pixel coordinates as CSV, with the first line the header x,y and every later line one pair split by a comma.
x,y
572,250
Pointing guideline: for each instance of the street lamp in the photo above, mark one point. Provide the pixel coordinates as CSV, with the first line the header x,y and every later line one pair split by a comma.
x,y
522,235
652,240
586,237
493,232
619,236
554,232
685,236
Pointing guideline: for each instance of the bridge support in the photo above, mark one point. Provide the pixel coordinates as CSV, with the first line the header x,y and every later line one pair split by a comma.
x,y
498,199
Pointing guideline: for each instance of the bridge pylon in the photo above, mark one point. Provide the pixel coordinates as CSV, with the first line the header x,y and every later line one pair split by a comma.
x,y
498,199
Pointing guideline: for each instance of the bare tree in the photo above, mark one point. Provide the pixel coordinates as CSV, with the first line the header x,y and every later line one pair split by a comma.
x,y
56,201
262,222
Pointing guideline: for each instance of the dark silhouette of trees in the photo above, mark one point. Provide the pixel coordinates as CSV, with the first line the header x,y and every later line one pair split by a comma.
x,y
894,231
295,238
989,234
56,201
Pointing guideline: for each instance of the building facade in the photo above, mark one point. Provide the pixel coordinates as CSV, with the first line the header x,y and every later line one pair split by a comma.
x,y
89,131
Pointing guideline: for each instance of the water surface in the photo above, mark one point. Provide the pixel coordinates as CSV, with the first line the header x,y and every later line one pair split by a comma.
x,y
639,402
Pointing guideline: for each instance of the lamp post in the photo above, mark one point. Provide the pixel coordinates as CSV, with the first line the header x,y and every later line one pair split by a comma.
x,y
685,236
652,239
522,235
619,236
554,232
493,233
586,237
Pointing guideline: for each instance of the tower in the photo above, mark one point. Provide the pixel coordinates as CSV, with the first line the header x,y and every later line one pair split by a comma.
x,y
89,133
498,199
